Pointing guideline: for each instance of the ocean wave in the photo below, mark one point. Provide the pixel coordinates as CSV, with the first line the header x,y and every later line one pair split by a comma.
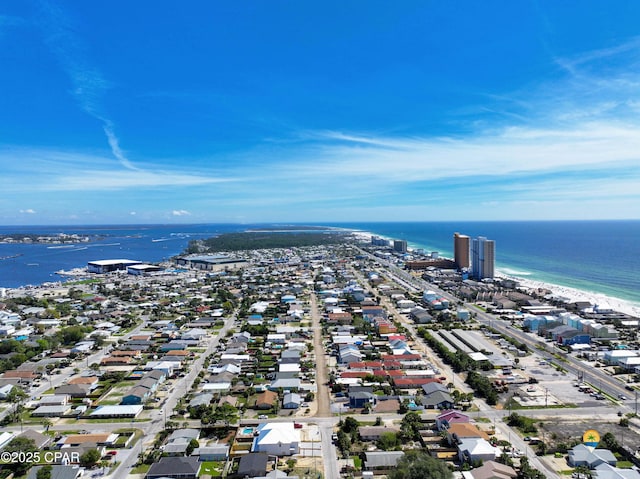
x,y
514,272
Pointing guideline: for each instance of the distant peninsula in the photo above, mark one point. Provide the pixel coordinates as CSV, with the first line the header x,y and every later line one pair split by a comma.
x,y
271,238
33,238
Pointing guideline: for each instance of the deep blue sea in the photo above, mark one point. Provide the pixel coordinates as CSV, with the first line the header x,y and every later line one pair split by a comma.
x,y
594,256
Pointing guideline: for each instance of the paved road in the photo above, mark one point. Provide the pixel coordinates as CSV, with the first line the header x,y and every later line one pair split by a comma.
x,y
325,420
322,378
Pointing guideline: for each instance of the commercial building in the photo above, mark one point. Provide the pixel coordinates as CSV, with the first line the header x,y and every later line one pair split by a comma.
x,y
483,254
108,265
461,247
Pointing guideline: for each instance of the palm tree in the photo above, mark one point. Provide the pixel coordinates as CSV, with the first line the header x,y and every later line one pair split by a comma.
x,y
47,423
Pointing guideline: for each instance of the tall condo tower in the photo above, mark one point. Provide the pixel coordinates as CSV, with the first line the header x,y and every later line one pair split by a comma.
x,y
483,257
461,245
400,246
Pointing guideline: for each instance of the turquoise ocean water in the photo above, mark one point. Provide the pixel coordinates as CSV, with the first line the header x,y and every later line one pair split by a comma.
x,y
593,256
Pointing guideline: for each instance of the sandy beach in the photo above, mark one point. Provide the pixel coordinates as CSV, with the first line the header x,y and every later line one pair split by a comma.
x,y
569,294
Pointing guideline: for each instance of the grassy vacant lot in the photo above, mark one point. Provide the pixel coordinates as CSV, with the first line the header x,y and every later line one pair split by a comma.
x,y
212,468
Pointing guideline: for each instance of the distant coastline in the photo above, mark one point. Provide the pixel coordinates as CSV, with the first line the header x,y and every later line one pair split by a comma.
x,y
57,239
597,258
531,281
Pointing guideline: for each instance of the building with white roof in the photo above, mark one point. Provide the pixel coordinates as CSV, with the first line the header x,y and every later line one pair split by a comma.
x,y
277,439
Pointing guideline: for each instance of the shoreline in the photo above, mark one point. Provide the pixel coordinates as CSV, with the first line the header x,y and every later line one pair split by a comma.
x,y
571,294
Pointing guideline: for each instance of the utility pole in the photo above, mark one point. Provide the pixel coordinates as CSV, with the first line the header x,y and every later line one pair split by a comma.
x,y
546,397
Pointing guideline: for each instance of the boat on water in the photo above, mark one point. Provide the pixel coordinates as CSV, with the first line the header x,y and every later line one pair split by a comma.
x,y
17,255
73,272
62,246
157,240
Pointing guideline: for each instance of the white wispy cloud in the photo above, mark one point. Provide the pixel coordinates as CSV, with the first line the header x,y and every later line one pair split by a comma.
x,y
89,85
180,213
50,170
28,211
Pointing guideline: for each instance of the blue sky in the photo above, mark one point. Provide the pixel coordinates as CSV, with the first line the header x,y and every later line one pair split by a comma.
x,y
200,111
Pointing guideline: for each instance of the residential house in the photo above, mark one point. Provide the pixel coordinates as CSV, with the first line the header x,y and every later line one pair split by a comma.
x,y
381,460
291,401
178,441
474,449
444,420
582,455
136,395
214,452
436,396
52,411
40,440
373,433
58,471
201,399
459,431
492,470
360,399
174,467
252,465
606,471
277,439
101,439
266,400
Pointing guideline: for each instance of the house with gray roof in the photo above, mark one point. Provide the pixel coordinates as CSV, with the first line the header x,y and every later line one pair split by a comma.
x,y
174,466
136,395
381,459
179,440
39,439
51,411
252,465
436,396
202,399
214,452
607,471
582,455
57,472
291,401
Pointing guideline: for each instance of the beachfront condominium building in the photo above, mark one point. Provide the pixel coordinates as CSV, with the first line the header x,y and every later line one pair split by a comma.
x,y
377,241
461,246
400,246
483,257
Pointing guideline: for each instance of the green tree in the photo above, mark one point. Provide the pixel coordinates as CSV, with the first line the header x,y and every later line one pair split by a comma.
x,y
410,426
344,443
528,472
350,425
44,472
23,445
388,441
610,442
193,444
90,458
71,334
47,423
416,464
